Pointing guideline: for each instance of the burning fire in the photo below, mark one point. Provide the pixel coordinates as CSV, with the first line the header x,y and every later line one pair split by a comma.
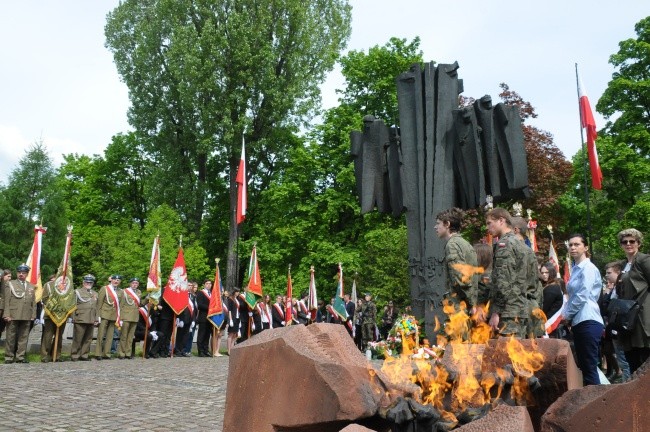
x,y
464,383
467,271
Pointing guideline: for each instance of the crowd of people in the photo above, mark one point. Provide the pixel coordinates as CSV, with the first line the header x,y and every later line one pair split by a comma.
x,y
516,285
515,293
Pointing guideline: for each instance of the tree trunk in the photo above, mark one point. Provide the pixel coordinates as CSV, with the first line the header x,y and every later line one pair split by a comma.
x,y
232,275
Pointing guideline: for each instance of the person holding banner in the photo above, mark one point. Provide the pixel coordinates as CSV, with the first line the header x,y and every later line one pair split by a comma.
x,y
205,328
49,328
19,305
84,319
108,306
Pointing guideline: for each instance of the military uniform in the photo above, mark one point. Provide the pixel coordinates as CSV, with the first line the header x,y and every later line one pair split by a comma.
x,y
459,251
368,321
107,311
534,322
20,306
509,285
129,314
84,319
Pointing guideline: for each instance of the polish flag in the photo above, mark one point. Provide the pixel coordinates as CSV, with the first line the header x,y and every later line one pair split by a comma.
x,y
34,262
242,198
587,121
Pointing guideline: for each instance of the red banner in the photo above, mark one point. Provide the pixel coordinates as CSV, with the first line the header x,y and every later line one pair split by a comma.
x,y
175,293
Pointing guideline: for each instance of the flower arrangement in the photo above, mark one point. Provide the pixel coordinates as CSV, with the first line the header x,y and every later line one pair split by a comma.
x,y
404,338
379,349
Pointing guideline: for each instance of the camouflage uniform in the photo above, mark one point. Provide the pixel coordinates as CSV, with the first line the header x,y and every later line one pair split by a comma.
x,y
368,321
509,285
20,306
459,251
534,322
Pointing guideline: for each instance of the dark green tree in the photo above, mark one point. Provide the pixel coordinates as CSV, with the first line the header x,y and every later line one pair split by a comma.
x,y
310,212
30,198
202,75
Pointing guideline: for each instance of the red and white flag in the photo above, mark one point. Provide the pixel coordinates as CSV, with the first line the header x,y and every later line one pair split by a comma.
x,y
154,279
552,257
313,297
242,197
587,122
288,314
34,262
175,293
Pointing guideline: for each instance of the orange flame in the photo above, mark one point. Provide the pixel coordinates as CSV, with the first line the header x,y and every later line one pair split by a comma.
x,y
467,271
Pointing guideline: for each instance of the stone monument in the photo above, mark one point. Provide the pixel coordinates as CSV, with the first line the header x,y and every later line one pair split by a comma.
x,y
441,156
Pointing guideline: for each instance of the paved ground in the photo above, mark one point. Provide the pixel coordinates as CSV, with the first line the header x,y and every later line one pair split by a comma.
x,y
179,394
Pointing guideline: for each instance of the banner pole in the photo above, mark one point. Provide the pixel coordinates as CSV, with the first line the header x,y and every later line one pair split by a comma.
x,y
56,343
173,336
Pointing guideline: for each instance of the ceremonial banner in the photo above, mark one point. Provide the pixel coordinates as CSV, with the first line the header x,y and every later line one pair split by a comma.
x,y
216,314
154,278
552,257
532,226
242,197
63,300
34,262
567,265
587,122
353,296
288,314
254,281
313,297
339,303
175,294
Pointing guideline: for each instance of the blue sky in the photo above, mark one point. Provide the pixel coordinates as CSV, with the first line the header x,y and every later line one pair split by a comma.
x,y
59,84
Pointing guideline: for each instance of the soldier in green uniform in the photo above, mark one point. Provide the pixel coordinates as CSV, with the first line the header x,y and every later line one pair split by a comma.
x,y
108,313
462,284
19,311
368,320
508,289
85,319
129,304
534,322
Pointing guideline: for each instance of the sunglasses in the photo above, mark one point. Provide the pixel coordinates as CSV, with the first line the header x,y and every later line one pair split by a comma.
x,y
628,242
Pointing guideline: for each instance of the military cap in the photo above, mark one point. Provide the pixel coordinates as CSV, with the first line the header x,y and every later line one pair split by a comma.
x,y
22,268
134,280
89,278
116,276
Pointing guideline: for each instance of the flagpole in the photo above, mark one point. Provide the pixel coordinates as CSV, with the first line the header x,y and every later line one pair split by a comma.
x,y
146,331
56,343
173,336
584,152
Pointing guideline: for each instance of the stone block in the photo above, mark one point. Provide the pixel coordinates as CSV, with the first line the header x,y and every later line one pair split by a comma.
x,y
618,407
299,378
503,418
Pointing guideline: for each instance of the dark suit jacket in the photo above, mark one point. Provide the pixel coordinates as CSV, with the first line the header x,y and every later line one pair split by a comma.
x,y
202,303
276,316
634,285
